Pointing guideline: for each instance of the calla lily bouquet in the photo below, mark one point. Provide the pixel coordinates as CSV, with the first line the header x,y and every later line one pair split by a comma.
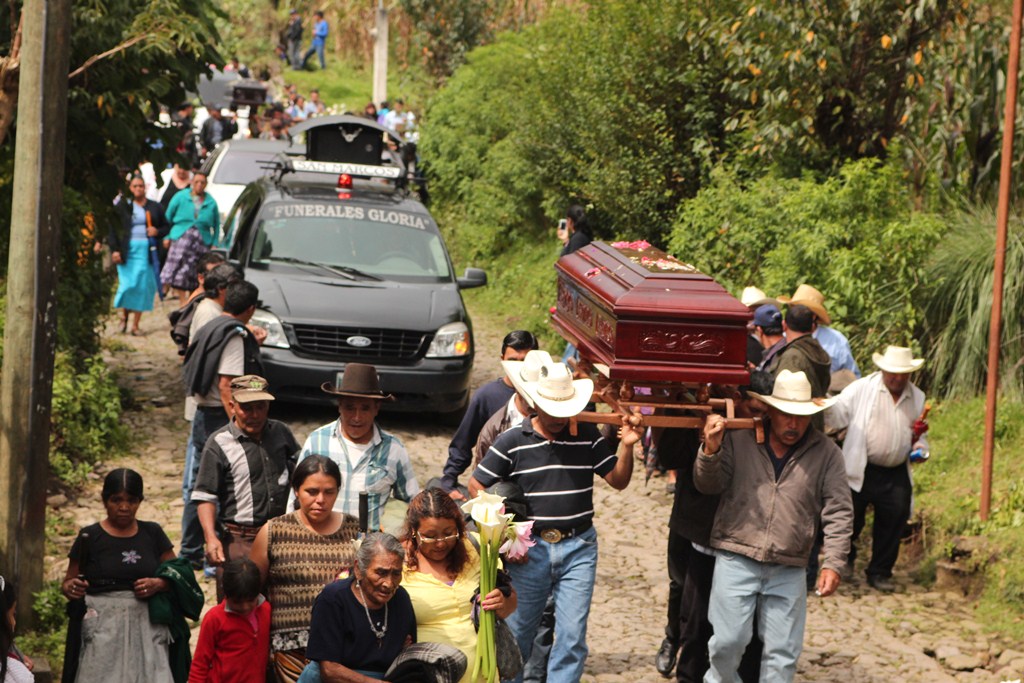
x,y
498,535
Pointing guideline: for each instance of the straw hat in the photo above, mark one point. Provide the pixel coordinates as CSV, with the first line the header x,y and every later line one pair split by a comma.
x,y
753,297
792,395
898,360
808,296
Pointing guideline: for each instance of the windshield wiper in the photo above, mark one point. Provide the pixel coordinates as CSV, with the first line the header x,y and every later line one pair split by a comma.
x,y
355,271
303,262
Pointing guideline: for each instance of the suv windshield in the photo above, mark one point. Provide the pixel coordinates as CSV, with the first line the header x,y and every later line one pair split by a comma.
x,y
242,168
349,238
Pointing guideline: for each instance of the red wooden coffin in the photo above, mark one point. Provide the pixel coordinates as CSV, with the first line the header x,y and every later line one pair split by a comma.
x,y
650,317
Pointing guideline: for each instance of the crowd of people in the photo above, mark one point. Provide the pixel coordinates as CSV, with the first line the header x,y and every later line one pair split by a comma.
x,y
331,562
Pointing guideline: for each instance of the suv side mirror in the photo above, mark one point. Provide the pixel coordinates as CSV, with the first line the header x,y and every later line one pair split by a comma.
x,y
473,277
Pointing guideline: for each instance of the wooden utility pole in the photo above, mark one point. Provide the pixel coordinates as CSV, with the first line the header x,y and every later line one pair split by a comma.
x,y
30,332
380,54
1002,219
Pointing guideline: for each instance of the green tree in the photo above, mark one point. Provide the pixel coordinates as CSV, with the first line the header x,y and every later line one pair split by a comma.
x,y
855,236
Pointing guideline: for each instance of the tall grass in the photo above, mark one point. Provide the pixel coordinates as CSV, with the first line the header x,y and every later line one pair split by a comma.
x,y
959,306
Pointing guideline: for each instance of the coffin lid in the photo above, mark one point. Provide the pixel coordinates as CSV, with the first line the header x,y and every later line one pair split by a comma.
x,y
634,279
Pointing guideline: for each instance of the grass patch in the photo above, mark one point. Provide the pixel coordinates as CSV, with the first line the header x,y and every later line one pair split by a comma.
x,y
948,498
519,292
347,86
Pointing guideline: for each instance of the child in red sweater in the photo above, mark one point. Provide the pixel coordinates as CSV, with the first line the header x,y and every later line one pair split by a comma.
x,y
234,640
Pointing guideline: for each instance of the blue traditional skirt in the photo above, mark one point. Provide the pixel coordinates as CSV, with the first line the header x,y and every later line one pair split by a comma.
x,y
136,281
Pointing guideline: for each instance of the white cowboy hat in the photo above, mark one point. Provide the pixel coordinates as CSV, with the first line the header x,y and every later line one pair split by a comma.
x,y
792,395
753,297
898,360
554,390
520,372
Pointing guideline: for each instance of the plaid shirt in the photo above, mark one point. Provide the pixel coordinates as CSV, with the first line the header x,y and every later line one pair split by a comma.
x,y
386,467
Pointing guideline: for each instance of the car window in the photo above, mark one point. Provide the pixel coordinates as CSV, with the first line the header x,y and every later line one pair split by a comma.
x,y
242,167
385,248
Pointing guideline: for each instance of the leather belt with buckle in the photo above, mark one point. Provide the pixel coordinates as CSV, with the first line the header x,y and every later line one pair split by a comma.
x,y
242,531
557,535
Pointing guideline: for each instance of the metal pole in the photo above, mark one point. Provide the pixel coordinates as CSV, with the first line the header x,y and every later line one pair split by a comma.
x,y
380,54
1002,218
30,334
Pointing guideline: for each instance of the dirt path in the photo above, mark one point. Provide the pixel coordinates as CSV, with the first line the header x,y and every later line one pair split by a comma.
x,y
859,636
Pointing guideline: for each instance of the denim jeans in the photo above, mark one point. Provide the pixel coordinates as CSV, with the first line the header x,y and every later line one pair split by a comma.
x,y
565,571
316,48
205,422
779,592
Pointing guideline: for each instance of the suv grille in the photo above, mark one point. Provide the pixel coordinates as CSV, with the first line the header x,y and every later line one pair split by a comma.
x,y
327,340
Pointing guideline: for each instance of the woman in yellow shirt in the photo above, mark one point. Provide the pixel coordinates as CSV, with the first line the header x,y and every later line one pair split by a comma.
x,y
441,574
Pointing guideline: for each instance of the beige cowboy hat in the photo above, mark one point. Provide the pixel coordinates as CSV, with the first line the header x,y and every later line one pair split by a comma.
x,y
522,372
792,395
808,296
898,360
548,385
752,297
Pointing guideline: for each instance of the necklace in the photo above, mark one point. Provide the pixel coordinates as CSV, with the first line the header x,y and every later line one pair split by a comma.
x,y
379,632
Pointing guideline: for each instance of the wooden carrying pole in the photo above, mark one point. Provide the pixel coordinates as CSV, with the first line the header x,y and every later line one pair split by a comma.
x,y
30,333
1002,218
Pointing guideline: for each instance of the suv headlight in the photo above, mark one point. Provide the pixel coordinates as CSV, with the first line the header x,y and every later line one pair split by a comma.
x,y
452,340
272,324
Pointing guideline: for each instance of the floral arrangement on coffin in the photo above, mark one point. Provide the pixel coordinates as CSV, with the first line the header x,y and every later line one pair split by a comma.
x,y
499,535
664,262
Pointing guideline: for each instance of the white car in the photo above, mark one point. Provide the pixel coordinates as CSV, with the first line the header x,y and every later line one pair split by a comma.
x,y
236,163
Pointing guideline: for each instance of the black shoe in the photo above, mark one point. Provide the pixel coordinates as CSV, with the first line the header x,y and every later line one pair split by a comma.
x,y
665,660
881,583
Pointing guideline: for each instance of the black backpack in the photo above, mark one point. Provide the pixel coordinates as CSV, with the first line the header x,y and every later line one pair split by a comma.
x,y
181,320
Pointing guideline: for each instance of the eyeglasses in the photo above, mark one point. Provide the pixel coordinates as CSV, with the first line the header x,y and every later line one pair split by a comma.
x,y
442,539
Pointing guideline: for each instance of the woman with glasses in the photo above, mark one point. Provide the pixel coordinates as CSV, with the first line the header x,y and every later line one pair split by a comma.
x,y
442,572
298,554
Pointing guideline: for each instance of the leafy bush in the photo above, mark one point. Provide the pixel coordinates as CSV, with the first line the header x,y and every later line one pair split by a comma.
x,y
960,276
854,236
51,627
86,418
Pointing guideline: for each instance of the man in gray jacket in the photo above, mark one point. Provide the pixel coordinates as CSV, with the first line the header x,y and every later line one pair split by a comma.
x,y
772,496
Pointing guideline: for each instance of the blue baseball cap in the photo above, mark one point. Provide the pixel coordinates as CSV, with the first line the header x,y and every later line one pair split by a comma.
x,y
768,317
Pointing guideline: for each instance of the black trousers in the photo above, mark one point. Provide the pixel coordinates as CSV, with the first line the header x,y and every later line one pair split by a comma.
x,y
678,548
888,491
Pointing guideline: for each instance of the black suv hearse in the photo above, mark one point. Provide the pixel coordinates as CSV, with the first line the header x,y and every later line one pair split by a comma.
x,y
351,267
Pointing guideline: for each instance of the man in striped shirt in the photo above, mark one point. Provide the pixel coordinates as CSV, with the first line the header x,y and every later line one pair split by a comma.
x,y
244,470
556,472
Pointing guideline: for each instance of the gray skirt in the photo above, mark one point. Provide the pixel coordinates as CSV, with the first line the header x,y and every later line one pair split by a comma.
x,y
120,644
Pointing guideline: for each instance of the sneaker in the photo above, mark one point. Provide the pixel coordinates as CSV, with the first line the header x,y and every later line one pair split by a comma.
x,y
881,583
665,660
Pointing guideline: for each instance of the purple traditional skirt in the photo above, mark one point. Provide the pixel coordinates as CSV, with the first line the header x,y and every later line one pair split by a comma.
x,y
179,270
